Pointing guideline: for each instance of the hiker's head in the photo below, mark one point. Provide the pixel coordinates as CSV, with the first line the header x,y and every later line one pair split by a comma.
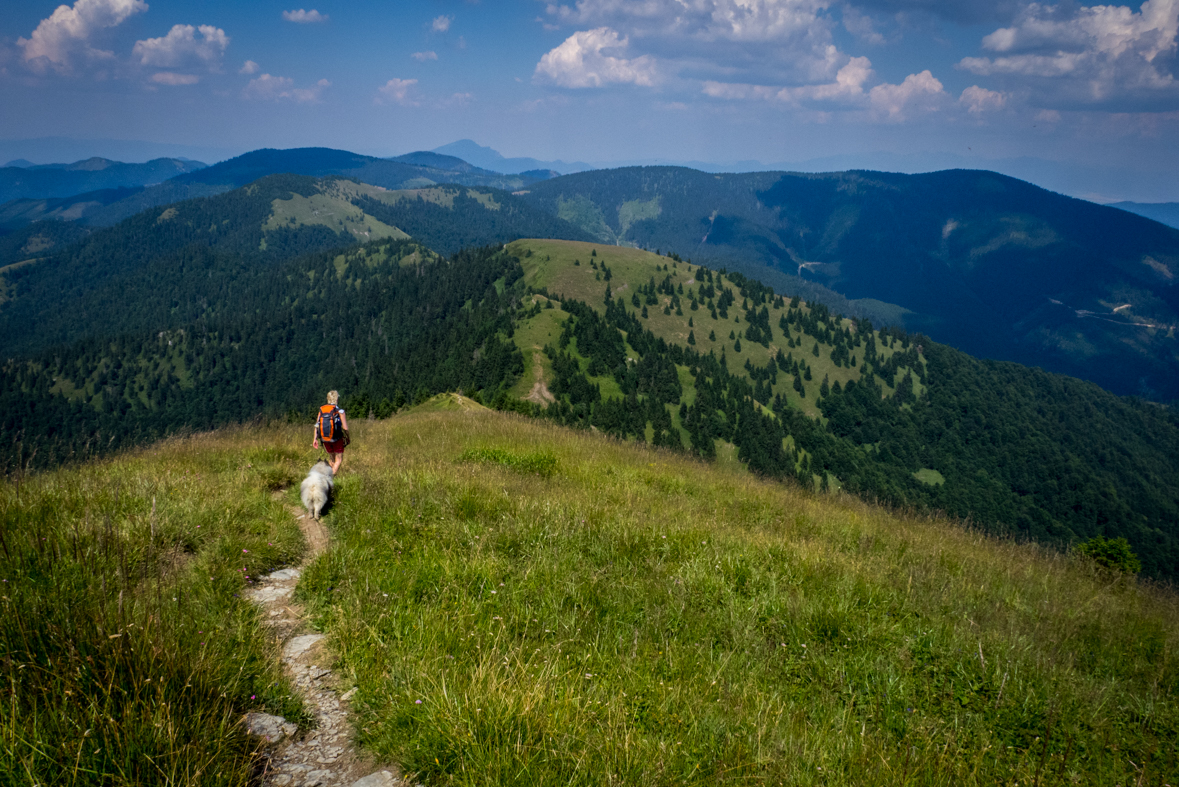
x,y
333,397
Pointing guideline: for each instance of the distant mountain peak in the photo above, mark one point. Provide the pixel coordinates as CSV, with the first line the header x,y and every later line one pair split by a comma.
x,y
469,150
488,158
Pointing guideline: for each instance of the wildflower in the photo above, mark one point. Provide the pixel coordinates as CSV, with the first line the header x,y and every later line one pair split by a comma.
x,y
417,702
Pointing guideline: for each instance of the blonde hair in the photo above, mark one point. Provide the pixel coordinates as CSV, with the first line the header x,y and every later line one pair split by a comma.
x,y
333,397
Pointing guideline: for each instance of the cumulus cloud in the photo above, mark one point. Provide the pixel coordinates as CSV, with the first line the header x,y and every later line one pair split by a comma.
x,y
918,92
441,23
861,26
304,17
397,91
65,37
978,100
708,20
888,102
1076,55
272,88
748,41
581,61
248,67
182,46
422,57
173,79
848,88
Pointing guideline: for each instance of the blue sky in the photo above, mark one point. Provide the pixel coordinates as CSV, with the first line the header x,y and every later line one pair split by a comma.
x,y
609,81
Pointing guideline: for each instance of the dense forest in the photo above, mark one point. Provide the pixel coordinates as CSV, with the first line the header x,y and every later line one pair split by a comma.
x,y
163,268
380,324
467,222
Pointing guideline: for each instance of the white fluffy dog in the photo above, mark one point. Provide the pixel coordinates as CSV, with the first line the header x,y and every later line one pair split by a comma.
x,y
317,488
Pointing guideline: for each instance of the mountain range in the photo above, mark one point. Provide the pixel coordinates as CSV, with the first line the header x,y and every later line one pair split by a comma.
x,y
990,264
93,174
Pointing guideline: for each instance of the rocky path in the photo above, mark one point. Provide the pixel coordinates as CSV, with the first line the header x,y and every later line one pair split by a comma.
x,y
324,756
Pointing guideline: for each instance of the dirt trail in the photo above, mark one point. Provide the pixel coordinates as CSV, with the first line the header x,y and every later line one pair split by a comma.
x,y
540,393
324,756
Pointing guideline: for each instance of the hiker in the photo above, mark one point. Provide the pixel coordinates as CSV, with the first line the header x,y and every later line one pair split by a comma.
x,y
331,424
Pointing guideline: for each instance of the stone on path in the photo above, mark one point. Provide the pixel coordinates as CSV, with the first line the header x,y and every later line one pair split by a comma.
x,y
378,779
268,593
272,729
283,575
300,645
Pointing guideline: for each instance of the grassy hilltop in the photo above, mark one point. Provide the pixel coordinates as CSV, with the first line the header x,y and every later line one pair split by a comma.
x,y
570,269
519,603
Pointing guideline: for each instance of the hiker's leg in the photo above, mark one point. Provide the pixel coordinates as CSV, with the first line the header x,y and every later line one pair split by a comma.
x,y
337,460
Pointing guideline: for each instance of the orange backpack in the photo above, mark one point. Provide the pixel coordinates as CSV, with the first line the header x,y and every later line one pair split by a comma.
x,y
329,425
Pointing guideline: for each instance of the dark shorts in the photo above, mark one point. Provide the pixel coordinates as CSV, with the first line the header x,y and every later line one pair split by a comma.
x,y
334,447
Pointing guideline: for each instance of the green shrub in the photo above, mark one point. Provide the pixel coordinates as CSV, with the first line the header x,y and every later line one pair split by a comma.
x,y
1112,553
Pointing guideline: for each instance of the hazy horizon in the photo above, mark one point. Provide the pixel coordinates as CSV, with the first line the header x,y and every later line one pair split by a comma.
x,y
1084,96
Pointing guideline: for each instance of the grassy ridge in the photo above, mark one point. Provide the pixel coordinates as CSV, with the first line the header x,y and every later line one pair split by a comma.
x,y
632,616
551,266
128,654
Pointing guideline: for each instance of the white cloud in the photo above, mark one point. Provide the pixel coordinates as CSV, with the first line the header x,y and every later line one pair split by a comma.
x,y
311,94
848,88
272,88
708,20
746,41
248,67
581,62
441,23
422,57
170,78
860,25
459,100
66,35
918,92
304,17
1087,54
397,91
978,100
182,46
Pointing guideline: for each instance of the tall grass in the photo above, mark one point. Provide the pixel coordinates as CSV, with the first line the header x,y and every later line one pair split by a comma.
x,y
128,654
635,617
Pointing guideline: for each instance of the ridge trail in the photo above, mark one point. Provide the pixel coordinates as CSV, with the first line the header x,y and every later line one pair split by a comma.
x,y
325,755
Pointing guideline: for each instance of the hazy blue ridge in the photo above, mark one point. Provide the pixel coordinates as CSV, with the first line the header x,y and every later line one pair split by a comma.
x,y
65,180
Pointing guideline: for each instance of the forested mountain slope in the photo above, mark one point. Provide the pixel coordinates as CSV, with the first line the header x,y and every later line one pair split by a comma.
x,y
168,267
992,265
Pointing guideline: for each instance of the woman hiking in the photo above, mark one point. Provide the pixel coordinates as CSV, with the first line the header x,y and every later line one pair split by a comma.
x,y
331,424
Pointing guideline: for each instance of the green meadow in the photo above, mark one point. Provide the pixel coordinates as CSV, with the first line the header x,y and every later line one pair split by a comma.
x,y
519,603
523,604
